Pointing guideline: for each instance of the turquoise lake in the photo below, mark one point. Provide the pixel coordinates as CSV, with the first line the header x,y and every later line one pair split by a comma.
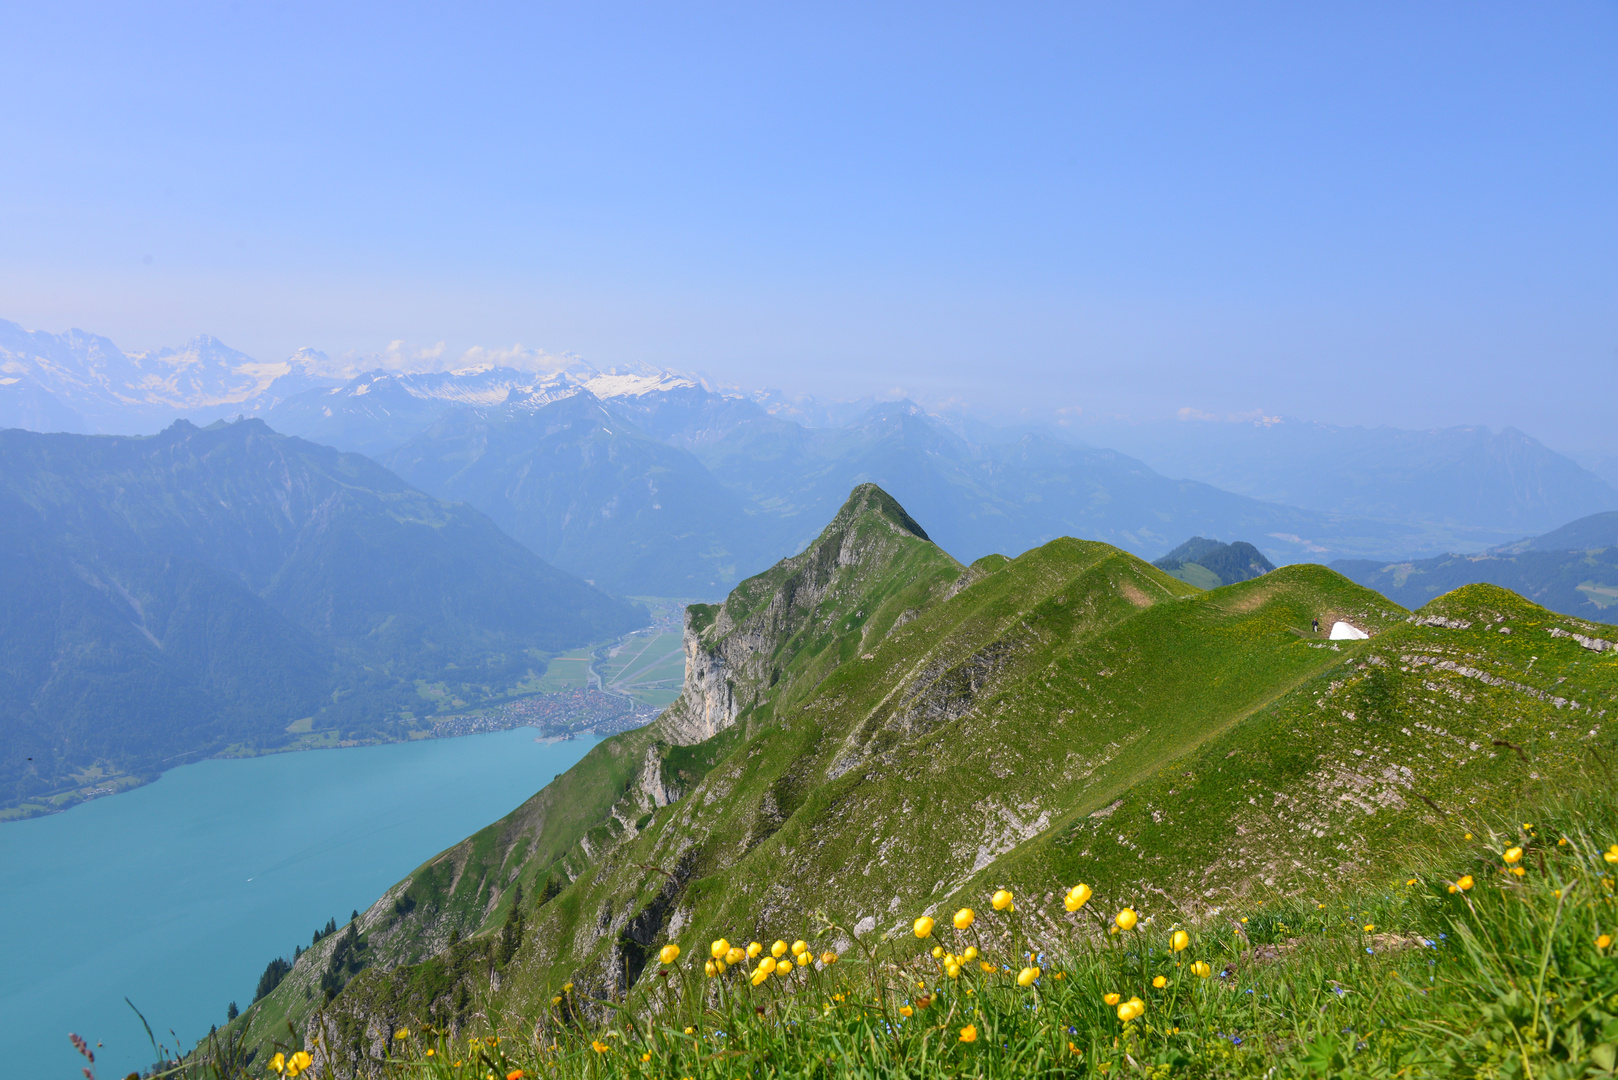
x,y
177,894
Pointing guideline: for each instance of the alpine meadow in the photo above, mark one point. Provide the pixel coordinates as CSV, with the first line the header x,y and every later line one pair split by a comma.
x,y
1387,855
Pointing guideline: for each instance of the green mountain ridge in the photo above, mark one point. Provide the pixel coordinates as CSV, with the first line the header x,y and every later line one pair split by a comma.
x,y
871,731
201,590
1209,564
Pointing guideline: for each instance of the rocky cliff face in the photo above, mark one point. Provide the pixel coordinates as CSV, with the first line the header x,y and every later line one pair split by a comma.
x,y
737,652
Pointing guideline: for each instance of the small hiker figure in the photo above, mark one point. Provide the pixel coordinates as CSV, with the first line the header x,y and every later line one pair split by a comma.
x,y
1317,625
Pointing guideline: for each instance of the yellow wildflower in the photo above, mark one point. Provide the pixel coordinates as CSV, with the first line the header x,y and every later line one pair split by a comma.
x,y
905,1010
1002,898
708,969
938,952
1368,927
1468,836
1179,941
1412,881
1132,1009
598,1046
828,957
669,953
923,927
518,1074
1603,941
1519,871
1126,919
1562,842
557,1000
1112,999
969,1033
970,954
778,949
1611,854
735,956
719,948
1513,854
567,988
753,950
279,1062
1077,896
402,1033
760,975
1160,982
952,970
298,1062
690,1031
963,918
1027,976
799,948
1201,969
767,965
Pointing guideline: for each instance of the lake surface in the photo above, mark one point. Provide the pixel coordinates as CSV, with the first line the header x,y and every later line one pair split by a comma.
x,y
177,894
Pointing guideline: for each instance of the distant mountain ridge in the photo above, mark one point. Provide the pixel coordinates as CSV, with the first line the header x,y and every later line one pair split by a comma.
x,y
175,595
1573,570
777,463
1209,564
1498,484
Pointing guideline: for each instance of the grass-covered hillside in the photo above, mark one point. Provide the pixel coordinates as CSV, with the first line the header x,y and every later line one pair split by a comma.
x,y
871,733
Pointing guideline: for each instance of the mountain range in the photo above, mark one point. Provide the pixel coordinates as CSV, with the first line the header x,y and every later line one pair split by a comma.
x,y
1573,570
689,488
872,731
1208,564
231,589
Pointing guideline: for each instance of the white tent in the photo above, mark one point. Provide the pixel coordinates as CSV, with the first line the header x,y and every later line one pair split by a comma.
x,y
1342,631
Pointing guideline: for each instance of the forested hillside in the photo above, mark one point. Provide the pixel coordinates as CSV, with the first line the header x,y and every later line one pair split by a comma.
x,y
202,590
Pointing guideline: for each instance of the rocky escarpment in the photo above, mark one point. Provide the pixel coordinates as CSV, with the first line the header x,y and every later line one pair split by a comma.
x,y
737,653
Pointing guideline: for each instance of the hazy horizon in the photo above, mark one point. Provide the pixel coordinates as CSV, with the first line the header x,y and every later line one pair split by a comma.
x,y
1385,216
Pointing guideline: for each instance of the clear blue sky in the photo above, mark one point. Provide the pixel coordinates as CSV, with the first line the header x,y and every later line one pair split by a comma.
x,y
1356,213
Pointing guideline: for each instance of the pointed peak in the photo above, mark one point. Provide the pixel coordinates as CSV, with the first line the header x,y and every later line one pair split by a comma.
x,y
869,500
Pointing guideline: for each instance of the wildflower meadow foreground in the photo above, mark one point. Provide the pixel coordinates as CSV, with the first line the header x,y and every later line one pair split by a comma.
x,y
1503,964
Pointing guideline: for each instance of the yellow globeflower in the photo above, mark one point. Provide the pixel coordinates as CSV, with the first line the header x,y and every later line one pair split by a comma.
x,y
1179,941
1603,941
828,957
708,969
1132,1009
1002,900
1611,854
719,948
1160,982
1078,896
805,959
799,948
969,1033
970,954
767,965
735,956
778,950
1126,919
1027,976
923,927
298,1062
1201,969
1512,854
1464,882
279,1062
760,975
669,953
986,966
402,1033
1112,999
938,952
1519,871
753,950
952,970
963,918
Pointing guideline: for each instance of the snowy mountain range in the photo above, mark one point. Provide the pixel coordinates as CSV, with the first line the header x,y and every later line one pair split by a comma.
x,y
653,482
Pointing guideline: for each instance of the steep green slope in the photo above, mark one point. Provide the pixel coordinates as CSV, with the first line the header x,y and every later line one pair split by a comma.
x,y
868,733
1209,564
176,595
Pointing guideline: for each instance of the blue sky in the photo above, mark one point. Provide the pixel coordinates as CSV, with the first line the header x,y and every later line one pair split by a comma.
x,y
1354,213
